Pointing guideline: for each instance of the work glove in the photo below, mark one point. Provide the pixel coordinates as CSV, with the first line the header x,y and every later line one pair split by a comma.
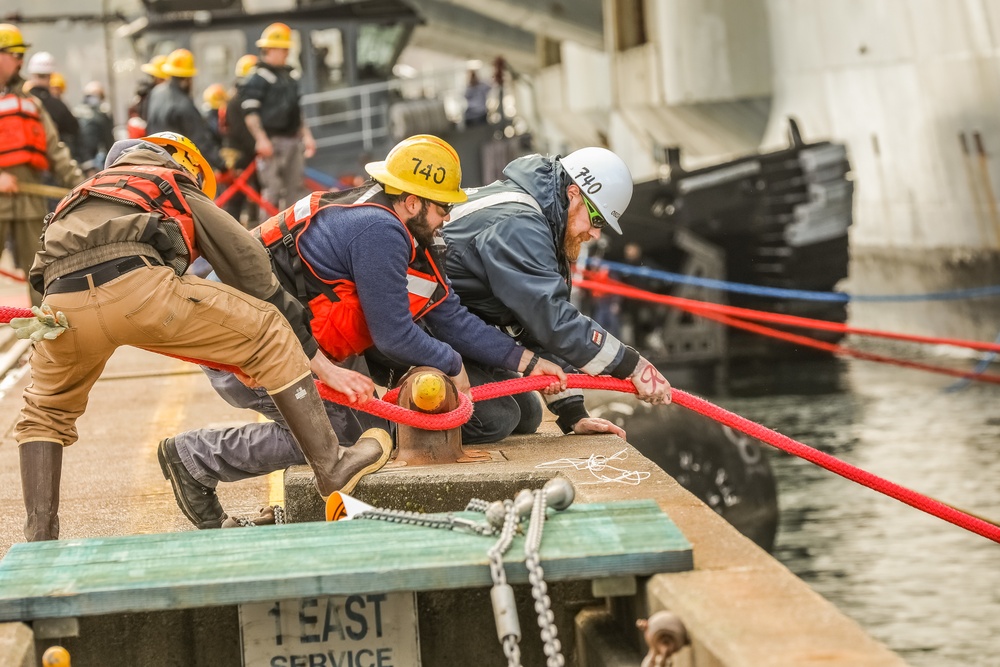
x,y
652,387
44,325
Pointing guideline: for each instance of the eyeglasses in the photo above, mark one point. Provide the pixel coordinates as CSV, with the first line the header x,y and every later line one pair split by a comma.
x,y
597,220
445,208
16,55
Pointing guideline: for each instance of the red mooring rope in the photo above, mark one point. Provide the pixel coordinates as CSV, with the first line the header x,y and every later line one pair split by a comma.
x,y
388,410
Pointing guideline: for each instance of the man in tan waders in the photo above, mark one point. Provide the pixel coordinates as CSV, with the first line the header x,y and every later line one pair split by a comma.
x,y
113,261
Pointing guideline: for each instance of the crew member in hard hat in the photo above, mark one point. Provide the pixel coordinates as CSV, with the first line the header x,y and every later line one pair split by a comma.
x,y
214,98
113,261
510,252
97,128
274,117
171,109
366,264
57,84
138,108
29,147
238,143
40,68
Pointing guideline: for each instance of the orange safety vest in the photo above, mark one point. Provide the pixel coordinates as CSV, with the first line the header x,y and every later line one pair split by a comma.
x,y
22,133
151,188
338,322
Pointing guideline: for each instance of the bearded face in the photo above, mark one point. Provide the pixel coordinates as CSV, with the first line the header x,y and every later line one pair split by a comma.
x,y
421,228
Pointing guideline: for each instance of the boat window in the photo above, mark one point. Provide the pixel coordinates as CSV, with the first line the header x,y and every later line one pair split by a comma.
x,y
378,48
328,45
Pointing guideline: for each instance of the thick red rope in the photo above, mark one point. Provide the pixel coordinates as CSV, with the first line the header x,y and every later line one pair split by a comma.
x,y
609,286
457,417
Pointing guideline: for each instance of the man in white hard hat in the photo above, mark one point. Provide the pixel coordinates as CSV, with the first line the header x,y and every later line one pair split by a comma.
x,y
510,252
41,66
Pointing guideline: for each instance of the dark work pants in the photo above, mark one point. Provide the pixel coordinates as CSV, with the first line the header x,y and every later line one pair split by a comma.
x,y
494,420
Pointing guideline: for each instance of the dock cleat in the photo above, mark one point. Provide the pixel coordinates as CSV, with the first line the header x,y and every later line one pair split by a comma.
x,y
198,502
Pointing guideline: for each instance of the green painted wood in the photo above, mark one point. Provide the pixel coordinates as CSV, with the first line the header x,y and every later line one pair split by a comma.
x,y
105,575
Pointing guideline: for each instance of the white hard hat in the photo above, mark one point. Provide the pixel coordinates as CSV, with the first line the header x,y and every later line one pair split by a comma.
x,y
41,63
94,88
603,178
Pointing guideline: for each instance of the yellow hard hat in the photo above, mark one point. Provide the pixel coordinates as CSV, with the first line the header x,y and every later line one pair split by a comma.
x,y
154,67
276,36
11,39
245,64
215,95
183,151
57,81
421,165
180,64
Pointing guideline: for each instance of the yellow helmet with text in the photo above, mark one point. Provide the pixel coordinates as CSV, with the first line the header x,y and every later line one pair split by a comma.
x,y
180,64
154,67
244,65
421,165
183,151
276,36
11,39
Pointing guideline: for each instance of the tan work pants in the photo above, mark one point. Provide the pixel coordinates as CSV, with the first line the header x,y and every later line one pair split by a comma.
x,y
151,308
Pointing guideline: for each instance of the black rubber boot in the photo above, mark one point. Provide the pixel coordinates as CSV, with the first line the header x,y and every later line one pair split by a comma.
x,y
198,502
336,468
41,470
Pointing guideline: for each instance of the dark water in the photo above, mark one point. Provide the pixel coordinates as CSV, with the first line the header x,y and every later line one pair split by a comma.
x,y
924,587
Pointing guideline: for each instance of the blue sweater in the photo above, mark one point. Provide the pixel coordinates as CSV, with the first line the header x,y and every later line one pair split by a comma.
x,y
370,247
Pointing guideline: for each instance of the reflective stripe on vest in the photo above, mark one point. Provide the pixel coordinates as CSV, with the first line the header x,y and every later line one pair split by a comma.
x,y
22,134
150,188
337,318
494,200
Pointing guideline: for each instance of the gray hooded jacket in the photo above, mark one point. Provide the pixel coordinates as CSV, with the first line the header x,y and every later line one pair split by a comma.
x,y
506,261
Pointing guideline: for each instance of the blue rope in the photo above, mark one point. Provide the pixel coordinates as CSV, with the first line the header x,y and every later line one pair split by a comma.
x,y
805,295
980,368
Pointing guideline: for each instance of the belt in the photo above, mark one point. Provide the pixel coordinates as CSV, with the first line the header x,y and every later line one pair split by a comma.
x,y
99,274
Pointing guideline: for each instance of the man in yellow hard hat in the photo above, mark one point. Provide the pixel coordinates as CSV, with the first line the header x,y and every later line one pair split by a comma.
x,y
29,147
171,109
241,145
365,264
115,266
270,103
138,108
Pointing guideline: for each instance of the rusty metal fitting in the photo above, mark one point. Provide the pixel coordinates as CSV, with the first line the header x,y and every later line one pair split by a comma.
x,y
429,390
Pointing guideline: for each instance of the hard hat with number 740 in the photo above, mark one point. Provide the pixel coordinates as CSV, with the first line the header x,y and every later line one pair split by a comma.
x,y
421,165
183,151
603,178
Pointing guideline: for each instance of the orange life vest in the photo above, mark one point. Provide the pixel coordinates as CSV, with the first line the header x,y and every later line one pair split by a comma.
x,y
150,188
22,133
338,322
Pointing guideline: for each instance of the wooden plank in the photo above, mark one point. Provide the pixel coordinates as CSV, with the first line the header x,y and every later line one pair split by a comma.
x,y
224,567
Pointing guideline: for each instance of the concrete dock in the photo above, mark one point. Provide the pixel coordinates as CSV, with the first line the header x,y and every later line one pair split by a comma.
x,y
741,607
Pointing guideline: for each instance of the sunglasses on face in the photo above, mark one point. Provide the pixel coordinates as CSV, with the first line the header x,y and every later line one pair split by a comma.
x,y
445,208
597,220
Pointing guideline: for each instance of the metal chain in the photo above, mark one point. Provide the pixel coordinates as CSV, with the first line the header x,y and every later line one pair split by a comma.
x,y
511,523
445,521
539,590
277,510
511,649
